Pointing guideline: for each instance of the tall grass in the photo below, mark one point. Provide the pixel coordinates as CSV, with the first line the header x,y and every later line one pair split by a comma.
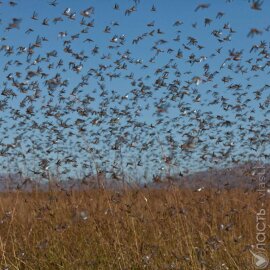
x,y
131,229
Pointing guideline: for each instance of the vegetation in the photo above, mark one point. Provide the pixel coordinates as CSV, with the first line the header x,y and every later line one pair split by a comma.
x,y
128,229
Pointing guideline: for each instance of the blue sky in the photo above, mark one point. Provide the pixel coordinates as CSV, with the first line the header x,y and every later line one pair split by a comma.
x,y
237,14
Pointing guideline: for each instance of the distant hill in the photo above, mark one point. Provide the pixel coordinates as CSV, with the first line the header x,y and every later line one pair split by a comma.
x,y
242,176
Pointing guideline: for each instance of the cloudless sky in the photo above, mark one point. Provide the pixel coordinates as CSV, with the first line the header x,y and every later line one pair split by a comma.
x,y
237,14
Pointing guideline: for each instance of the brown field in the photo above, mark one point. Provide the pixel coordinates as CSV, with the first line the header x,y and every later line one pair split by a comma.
x,y
132,229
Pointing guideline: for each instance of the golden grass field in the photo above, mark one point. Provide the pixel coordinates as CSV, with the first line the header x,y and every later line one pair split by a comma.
x,y
132,229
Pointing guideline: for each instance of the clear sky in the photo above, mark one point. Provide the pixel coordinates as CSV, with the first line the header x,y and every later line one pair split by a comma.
x,y
239,18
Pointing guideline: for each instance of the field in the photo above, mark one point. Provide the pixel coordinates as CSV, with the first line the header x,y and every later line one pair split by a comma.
x,y
131,229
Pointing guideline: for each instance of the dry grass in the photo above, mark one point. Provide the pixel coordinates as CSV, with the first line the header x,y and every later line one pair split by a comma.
x,y
138,229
